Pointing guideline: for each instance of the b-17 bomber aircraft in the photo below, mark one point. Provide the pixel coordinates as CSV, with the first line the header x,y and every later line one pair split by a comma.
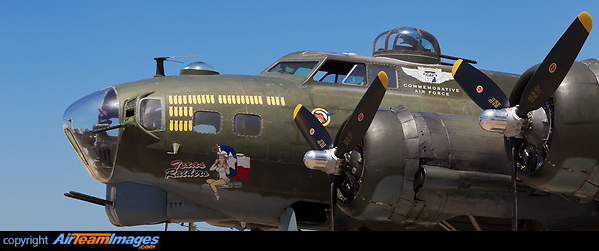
x,y
398,140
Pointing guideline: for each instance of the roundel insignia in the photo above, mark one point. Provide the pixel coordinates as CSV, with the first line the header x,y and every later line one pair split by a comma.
x,y
479,89
552,68
360,116
322,115
311,131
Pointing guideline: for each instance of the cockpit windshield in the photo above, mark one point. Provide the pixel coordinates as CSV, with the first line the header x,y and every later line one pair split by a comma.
x,y
294,68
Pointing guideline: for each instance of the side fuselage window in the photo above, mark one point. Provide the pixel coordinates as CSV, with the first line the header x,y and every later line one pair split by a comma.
x,y
151,114
247,124
207,122
373,71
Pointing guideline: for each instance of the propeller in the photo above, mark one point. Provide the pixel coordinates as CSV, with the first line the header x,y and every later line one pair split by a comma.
x,y
328,156
313,131
556,65
479,87
484,92
513,121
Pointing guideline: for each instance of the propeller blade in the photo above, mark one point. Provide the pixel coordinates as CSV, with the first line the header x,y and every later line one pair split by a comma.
x,y
314,132
514,192
555,66
479,87
359,121
333,199
510,148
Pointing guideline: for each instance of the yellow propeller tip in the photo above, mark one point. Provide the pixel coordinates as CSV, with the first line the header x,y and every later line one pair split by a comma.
x,y
384,79
455,67
297,108
586,20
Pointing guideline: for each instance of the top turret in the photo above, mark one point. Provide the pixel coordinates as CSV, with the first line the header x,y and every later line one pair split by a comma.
x,y
408,44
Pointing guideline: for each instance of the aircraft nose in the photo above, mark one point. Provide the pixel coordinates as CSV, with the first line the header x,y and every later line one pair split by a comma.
x,y
91,126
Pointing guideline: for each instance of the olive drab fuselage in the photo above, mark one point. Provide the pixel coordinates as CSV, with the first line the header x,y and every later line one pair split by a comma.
x,y
224,149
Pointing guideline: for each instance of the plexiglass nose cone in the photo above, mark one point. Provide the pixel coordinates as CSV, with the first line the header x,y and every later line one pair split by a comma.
x,y
81,122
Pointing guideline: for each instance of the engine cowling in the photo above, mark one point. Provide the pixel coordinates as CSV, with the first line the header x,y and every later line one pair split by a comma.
x,y
406,152
566,162
403,152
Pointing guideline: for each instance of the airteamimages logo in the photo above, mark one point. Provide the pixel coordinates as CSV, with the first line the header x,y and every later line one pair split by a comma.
x,y
106,239
134,240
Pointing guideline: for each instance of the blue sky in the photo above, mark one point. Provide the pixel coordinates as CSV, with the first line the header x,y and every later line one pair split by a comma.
x,y
55,52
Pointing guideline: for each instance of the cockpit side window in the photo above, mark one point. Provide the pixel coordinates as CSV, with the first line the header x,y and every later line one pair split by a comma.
x,y
373,70
341,72
294,68
151,114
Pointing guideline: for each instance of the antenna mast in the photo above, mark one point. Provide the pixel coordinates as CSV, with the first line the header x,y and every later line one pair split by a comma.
x,y
160,64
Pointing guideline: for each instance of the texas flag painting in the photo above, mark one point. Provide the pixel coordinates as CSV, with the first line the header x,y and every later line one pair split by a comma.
x,y
243,167
239,163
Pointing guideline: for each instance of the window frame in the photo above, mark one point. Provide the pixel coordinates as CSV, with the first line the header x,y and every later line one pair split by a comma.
x,y
324,71
248,115
372,74
142,114
193,123
298,62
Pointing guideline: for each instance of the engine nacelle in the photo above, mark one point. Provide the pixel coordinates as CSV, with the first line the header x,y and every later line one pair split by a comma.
x,y
567,162
406,151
